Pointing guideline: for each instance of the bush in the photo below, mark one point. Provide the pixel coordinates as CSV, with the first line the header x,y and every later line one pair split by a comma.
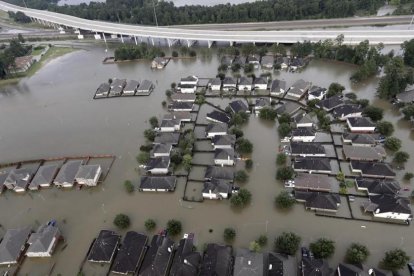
x,y
241,176
285,200
129,187
244,146
287,243
239,119
401,157
373,112
322,248
392,143
281,159
395,259
193,53
168,93
284,118
150,224
122,221
254,246
150,134
146,148
284,130
335,89
241,199
408,176
262,240
143,157
284,173
187,159
357,253
385,128
267,113
237,132
174,227
249,164
153,122
229,234
174,53
164,103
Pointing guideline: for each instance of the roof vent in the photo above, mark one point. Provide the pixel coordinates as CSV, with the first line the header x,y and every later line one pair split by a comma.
x,y
249,262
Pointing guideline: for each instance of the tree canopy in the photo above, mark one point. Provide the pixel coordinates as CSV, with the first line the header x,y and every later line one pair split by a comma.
x,y
357,253
285,200
122,221
322,248
395,259
287,243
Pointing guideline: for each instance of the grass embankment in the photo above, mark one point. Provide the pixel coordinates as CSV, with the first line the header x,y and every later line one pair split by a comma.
x,y
54,52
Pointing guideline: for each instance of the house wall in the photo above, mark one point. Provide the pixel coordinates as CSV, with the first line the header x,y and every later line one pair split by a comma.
x,y
396,216
260,86
321,209
309,154
188,90
222,146
224,162
352,115
362,129
215,87
215,196
312,97
212,134
158,171
305,125
154,190
244,87
312,171
169,129
303,138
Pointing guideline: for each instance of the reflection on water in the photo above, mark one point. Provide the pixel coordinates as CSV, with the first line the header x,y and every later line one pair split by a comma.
x,y
53,114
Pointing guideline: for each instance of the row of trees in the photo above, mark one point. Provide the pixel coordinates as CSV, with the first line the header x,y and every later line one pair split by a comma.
x,y
173,227
142,11
130,52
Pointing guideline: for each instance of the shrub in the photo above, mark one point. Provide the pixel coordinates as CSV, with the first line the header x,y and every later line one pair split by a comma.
x,y
262,240
373,112
357,253
392,143
229,234
174,53
285,200
164,103
150,134
408,176
150,224
239,119
153,122
335,89
129,187
395,259
401,157
249,164
281,159
322,248
284,173
241,199
385,128
284,118
241,176
193,53
174,227
143,157
287,243
254,246
267,113
237,132
284,129
122,221
244,146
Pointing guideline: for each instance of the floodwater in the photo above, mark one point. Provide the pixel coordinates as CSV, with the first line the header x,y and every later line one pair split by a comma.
x,y
52,114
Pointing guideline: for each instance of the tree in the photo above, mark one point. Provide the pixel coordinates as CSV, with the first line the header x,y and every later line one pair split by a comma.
x,y
401,157
239,118
374,113
284,118
385,128
174,227
129,187
287,243
254,246
153,122
241,199
174,54
268,114
187,159
281,159
408,176
150,224
237,132
395,79
284,173
395,259
262,240
334,89
150,134
322,248
284,129
143,158
408,111
21,38
244,146
392,143
408,48
241,176
122,221
229,234
193,53
249,164
285,200
357,253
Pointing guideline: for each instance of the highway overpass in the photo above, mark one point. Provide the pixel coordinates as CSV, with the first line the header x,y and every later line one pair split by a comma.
x,y
190,36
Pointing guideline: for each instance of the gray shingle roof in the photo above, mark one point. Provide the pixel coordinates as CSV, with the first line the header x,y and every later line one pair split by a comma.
x,y
217,260
302,148
167,138
316,182
224,154
158,182
12,244
44,175
162,162
104,247
216,128
388,203
318,200
360,122
68,172
224,140
379,186
373,169
248,263
43,238
312,164
216,172
216,186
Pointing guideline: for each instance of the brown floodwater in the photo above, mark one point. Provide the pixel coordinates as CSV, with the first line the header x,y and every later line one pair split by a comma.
x,y
52,114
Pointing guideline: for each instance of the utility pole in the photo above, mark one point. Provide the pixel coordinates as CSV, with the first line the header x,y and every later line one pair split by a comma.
x,y
411,23
24,2
155,13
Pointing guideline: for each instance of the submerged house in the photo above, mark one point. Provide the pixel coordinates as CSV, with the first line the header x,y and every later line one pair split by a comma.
x,y
303,134
66,176
43,177
145,88
103,90
104,247
312,182
117,87
361,139
158,165
158,257
42,243
299,89
330,103
217,260
229,84
260,83
316,93
218,117
261,103
307,149
18,179
13,245
312,165
158,183
223,141
186,261
88,175
360,125
362,153
317,201
131,87
216,189
245,83
390,207
224,157
248,263
278,88
170,125
372,169
239,106
377,186
222,173
159,63
216,129
167,138
346,111
267,62
215,84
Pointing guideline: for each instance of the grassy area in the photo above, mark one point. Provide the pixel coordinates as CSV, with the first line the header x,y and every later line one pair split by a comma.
x,y
36,52
53,53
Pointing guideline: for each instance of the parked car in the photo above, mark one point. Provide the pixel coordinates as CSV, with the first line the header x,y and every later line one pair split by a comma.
x,y
411,268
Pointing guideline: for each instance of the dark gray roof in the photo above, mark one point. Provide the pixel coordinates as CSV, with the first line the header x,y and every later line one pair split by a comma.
x,y
360,122
351,270
215,81
19,178
190,78
158,257
303,131
316,267
288,108
360,138
145,85
262,102
217,260
253,58
118,83
245,81
331,102
162,148
227,60
260,80
319,200
186,261
248,263
68,172
216,127
303,119
158,182
301,84
238,106
346,109
131,85
169,123
167,138
103,88
267,60
12,244
181,105
183,96
388,204
379,186
281,60
278,264
218,116
312,164
104,247
179,115
297,62
316,182
277,85
317,91
217,186
225,173
162,162
239,60
131,252
87,171
43,238
405,97
301,148
372,169
224,140
375,153
44,175
229,80
224,154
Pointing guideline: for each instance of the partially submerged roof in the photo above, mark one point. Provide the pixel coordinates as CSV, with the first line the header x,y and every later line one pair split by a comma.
x,y
68,171
238,106
277,85
248,263
373,169
131,252
88,171
225,173
316,182
216,128
319,200
158,182
364,153
346,109
132,85
302,148
312,164
216,186
12,244
331,102
388,204
186,261
162,162
217,260
167,138
43,238
158,257
360,122
44,175
301,84
145,85
379,186
218,116
224,154
104,247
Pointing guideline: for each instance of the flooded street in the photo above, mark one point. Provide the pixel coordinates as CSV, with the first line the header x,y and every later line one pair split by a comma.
x,y
52,114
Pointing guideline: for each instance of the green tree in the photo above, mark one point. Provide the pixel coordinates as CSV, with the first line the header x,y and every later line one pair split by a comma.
x,y
395,259
284,173
129,187
284,129
150,224
281,159
249,164
392,143
241,176
285,200
284,118
187,159
267,113
408,111
241,199
262,240
408,47
254,246
174,54
401,157
143,158
239,119
150,134
174,227
153,122
385,128
335,89
395,79
237,132
322,248
122,221
357,253
373,112
287,243
244,146
229,234
408,176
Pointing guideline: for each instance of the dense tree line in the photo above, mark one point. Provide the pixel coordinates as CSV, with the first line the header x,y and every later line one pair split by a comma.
x,y
129,52
142,11
19,17
15,49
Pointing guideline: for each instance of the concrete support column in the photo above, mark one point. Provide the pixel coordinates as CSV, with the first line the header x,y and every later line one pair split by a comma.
x,y
122,38
135,38
152,41
231,43
210,43
189,43
103,35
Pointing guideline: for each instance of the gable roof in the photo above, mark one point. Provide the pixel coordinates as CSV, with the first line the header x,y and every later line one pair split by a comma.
x,y
360,122
319,200
315,267
181,105
217,260
186,261
12,244
303,132
145,85
379,186
216,127
277,264
224,173
314,182
158,182
360,138
302,148
238,106
288,108
245,81
215,81
229,81
183,96
364,153
167,138
262,102
276,85
218,116
19,177
331,102
224,140
317,91
162,162
43,238
131,85
159,259
388,204
190,78
405,97
346,109
68,171
350,270
103,88
169,123
267,60
248,263
216,186
162,148
260,80
301,84
104,247
224,154
44,175
312,164
373,169
88,171
303,119
130,253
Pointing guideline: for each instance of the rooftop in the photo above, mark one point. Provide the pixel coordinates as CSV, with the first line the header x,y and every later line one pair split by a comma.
x,y
318,200
388,204
360,122
225,173
375,153
167,138
162,162
379,186
312,164
238,106
301,148
12,244
216,186
68,171
43,238
314,182
218,116
227,154
248,263
214,128
217,260
158,182
373,169
104,247
186,261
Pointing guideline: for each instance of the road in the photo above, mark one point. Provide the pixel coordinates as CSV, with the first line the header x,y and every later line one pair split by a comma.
x,y
375,36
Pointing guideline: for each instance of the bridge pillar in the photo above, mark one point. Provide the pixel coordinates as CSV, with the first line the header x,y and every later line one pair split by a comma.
x,y
231,43
152,41
169,42
122,38
103,35
210,43
135,38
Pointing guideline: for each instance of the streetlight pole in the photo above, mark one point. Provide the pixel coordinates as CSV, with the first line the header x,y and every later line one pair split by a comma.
x,y
24,2
412,20
155,14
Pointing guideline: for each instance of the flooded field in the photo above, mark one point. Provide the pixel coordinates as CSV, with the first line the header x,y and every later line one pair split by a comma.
x,y
53,114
